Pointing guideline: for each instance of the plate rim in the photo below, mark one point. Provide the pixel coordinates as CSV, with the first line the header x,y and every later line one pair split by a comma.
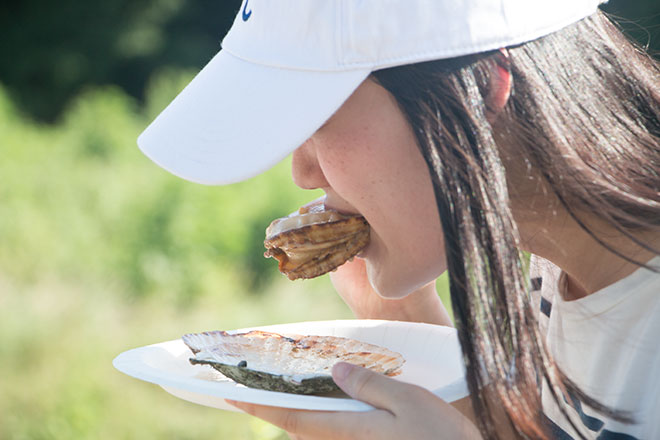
x,y
128,361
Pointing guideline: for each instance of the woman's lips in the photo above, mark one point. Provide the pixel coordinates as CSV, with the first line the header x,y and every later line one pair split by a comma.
x,y
333,203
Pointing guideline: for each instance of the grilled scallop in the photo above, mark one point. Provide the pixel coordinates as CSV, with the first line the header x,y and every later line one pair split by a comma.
x,y
290,364
313,240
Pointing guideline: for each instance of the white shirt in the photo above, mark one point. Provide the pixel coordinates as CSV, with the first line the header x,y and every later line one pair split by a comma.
x,y
608,343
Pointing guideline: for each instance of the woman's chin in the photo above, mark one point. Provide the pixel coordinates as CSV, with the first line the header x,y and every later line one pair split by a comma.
x,y
386,287
394,282
387,275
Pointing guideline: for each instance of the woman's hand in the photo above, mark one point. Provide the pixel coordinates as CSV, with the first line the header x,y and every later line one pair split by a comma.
x,y
403,411
351,282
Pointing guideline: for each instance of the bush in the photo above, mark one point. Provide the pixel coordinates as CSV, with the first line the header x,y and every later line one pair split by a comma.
x,y
103,251
80,201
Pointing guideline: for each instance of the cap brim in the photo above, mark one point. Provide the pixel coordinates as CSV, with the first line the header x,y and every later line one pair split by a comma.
x,y
237,119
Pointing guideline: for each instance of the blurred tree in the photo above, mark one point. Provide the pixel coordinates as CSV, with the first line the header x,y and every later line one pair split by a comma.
x,y
50,50
640,19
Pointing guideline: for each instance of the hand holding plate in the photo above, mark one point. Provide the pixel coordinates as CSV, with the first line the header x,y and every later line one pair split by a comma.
x,y
403,411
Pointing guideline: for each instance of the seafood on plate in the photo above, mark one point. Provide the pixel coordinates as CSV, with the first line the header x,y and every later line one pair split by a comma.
x,y
314,240
286,363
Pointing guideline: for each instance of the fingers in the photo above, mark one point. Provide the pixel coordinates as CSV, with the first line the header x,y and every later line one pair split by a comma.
x,y
319,424
375,389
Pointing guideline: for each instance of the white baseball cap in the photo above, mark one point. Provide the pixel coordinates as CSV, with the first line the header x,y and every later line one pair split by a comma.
x,y
287,65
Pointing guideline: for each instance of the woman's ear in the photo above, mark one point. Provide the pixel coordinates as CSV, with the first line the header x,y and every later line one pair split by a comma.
x,y
500,86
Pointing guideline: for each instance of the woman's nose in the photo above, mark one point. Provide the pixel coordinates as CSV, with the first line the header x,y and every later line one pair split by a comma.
x,y
305,168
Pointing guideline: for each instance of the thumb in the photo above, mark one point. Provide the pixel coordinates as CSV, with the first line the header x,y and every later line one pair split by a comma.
x,y
373,388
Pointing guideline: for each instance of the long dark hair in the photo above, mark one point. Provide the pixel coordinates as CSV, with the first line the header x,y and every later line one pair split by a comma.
x,y
584,90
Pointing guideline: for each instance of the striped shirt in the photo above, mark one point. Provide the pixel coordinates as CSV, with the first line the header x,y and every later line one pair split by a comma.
x,y
608,343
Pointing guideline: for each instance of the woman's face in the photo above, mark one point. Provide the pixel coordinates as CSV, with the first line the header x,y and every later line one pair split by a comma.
x,y
366,160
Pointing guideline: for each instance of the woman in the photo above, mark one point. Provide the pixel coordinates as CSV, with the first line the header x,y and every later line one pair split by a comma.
x,y
542,138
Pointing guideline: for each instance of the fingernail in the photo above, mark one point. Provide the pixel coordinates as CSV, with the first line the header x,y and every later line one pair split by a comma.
x,y
341,371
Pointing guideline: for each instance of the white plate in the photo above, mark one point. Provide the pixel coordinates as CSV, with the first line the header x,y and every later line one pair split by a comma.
x,y
432,354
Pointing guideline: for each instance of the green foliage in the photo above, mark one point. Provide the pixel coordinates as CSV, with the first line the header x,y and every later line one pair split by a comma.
x,y
103,251
80,201
50,50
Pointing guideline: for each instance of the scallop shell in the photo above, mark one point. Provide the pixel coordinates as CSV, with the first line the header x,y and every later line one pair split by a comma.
x,y
291,364
314,241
